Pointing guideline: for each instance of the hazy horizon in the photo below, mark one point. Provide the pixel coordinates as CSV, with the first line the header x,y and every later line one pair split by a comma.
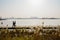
x,y
30,8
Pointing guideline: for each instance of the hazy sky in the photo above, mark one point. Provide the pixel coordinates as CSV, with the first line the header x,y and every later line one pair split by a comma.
x,y
30,8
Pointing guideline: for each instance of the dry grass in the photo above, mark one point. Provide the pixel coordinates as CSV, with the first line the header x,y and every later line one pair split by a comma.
x,y
23,34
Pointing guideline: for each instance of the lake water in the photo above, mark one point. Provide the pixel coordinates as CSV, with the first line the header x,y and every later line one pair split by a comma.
x,y
30,22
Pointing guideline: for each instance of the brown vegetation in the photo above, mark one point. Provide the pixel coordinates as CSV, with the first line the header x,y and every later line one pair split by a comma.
x,y
25,34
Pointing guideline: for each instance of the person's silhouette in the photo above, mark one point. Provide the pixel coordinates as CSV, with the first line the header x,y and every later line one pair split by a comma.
x,y
14,23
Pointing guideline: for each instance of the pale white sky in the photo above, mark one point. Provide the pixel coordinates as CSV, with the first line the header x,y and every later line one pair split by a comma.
x,y
30,8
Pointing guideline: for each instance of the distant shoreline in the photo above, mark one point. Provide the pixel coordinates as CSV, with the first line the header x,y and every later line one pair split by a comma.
x,y
28,18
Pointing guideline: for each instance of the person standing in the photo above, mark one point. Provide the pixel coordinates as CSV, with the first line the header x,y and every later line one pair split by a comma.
x,y
14,23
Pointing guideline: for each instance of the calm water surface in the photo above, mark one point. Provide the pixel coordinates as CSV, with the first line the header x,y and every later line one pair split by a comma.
x,y
30,22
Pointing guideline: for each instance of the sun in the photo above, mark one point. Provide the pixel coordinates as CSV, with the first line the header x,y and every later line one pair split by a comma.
x,y
36,2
